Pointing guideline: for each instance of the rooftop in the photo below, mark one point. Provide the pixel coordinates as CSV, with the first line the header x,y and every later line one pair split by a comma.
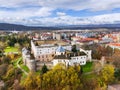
x,y
115,44
60,49
49,43
69,55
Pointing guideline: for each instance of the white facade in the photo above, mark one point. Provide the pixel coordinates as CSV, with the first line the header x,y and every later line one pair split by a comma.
x,y
81,60
72,60
88,53
78,60
46,49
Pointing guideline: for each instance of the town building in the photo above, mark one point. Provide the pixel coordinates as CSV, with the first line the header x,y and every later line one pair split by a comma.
x,y
52,52
44,50
57,36
69,58
114,45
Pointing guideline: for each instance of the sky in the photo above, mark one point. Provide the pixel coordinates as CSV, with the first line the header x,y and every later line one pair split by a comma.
x,y
59,12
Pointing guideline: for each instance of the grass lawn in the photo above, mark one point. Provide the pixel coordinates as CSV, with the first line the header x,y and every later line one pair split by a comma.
x,y
11,49
88,67
14,63
25,68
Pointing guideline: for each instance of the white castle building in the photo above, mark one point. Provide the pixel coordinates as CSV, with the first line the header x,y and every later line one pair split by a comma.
x,y
45,50
53,52
69,58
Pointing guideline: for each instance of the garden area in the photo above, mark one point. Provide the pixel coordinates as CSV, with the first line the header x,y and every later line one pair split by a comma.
x,y
24,67
11,49
88,67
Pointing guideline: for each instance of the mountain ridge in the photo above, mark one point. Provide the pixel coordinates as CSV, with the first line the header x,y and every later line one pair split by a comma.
x,y
8,26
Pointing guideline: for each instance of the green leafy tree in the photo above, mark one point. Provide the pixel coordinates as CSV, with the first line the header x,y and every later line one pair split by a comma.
x,y
74,49
117,74
44,69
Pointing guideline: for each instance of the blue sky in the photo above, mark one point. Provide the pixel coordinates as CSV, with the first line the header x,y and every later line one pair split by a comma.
x,y
57,12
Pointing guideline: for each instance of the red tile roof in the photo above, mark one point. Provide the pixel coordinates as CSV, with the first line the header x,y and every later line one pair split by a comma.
x,y
92,39
114,44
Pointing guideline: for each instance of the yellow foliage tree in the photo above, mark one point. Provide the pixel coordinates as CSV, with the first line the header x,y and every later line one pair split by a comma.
x,y
107,74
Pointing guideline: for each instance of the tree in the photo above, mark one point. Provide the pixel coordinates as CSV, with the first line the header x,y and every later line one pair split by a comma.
x,y
59,78
17,86
116,58
90,84
109,51
107,74
10,72
74,49
11,44
5,59
30,82
117,74
81,70
44,69
3,69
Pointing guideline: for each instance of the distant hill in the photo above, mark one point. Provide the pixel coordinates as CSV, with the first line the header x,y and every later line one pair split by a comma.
x,y
6,26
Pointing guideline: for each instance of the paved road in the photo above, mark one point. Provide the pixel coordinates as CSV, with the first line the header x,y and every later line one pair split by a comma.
x,y
20,67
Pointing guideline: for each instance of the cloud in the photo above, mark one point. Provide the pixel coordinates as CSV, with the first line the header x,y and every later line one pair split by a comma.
x,y
18,3
26,13
66,20
93,5
43,12
61,13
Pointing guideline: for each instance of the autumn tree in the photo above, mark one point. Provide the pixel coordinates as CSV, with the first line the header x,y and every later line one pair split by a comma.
x,y
59,78
90,83
106,75
31,82
5,60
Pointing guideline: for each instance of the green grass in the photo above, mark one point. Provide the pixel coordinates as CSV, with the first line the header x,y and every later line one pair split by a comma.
x,y
88,67
25,68
14,63
11,49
